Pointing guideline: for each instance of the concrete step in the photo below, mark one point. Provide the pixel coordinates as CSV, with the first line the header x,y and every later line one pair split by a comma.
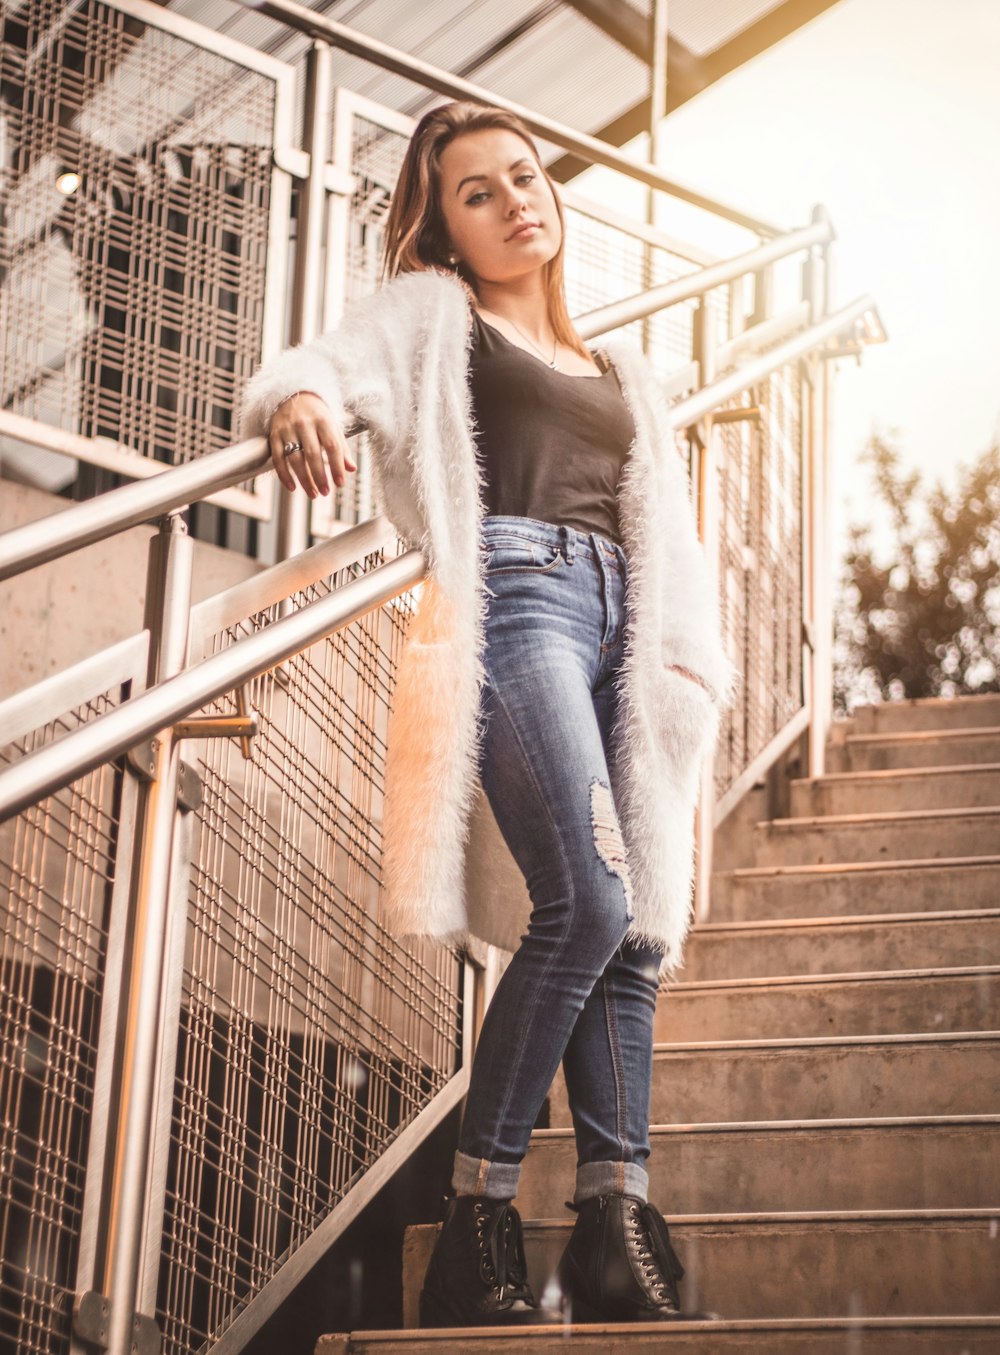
x,y
905,788
898,1162
832,1077
900,1002
921,748
854,887
872,943
926,833
791,1336
927,712
918,1263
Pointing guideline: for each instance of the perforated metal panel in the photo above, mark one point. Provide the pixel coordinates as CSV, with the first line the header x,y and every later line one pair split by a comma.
x,y
132,302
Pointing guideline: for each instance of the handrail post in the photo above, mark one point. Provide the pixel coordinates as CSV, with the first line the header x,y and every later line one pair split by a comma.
x,y
705,484
817,649
307,290
167,613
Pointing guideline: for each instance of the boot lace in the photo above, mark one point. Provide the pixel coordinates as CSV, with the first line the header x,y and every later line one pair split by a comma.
x,y
659,1263
501,1252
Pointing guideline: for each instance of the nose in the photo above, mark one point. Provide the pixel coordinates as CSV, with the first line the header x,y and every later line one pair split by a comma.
x,y
517,200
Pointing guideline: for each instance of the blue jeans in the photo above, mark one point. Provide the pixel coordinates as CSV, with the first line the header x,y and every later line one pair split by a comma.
x,y
575,990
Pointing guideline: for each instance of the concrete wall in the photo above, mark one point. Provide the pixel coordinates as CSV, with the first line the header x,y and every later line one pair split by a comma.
x,y
57,614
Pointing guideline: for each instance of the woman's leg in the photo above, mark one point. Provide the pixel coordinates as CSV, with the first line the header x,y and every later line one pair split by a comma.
x,y
553,641
608,1062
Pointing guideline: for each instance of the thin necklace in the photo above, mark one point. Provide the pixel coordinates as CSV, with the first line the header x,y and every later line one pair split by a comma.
x,y
555,343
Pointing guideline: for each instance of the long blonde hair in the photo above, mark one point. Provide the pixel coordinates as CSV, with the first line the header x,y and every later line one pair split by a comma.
x,y
415,237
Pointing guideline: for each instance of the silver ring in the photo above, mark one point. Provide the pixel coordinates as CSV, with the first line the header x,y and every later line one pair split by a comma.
x,y
291,447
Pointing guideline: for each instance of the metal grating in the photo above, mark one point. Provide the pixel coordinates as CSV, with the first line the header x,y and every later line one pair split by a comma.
x,y
308,1036
57,863
760,569
132,308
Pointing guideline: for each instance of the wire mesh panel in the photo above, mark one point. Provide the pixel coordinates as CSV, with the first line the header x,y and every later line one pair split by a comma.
x,y
135,199
58,863
309,1036
760,568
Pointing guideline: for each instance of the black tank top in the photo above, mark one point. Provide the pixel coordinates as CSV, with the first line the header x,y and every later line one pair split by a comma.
x,y
552,446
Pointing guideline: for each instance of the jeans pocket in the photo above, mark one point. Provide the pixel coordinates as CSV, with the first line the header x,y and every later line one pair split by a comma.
x,y
519,556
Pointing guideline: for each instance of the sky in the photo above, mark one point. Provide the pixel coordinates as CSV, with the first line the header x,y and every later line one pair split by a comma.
x,y
888,113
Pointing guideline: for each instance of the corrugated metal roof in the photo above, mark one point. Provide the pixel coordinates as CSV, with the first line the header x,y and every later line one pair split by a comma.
x,y
540,53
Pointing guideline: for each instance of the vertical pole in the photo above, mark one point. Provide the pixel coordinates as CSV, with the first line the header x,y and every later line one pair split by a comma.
x,y
658,32
707,516
307,289
817,548
167,612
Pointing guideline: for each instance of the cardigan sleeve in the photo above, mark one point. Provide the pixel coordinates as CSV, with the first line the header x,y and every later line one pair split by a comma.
x,y
360,368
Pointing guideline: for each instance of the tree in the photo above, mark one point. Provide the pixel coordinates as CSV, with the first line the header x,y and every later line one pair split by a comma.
x,y
926,623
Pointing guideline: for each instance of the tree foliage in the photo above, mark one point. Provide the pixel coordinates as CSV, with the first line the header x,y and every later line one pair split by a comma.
x,y
925,623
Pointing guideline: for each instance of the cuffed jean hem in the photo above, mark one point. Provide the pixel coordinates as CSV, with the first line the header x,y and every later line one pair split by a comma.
x,y
598,1178
479,1176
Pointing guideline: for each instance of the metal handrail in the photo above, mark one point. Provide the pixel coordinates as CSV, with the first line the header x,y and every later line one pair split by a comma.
x,y
320,26
58,764
37,543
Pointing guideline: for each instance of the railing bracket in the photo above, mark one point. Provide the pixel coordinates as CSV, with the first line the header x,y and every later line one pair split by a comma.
x,y
146,1338
142,760
188,787
92,1318
243,725
808,634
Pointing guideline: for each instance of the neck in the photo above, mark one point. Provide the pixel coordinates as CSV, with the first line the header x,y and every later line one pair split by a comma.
x,y
522,302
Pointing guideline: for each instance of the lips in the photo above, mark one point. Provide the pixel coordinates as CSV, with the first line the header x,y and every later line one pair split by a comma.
x,y
525,225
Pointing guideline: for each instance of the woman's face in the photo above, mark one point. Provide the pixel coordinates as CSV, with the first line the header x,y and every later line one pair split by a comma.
x,y
490,185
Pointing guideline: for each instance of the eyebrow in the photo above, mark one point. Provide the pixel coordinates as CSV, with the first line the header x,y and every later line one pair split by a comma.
x,y
523,161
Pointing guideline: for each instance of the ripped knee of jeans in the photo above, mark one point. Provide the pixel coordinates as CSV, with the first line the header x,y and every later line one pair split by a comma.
x,y
608,838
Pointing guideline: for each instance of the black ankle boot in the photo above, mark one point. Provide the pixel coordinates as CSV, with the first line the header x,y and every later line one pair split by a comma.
x,y
619,1264
477,1274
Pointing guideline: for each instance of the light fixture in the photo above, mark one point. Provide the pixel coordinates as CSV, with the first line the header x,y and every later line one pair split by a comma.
x,y
68,182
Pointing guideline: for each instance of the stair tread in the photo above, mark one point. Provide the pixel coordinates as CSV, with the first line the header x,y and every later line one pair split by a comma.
x,y
839,920
884,773
679,987
872,1122
819,1041
837,867
516,1336
918,735
770,1217
889,816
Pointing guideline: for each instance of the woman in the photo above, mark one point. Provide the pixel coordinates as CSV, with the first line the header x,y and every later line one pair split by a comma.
x,y
560,687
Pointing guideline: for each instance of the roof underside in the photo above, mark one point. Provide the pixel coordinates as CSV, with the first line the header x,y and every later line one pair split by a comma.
x,y
580,62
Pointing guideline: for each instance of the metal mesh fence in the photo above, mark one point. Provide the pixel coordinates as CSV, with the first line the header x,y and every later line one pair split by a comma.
x,y
309,1036
57,865
134,202
760,569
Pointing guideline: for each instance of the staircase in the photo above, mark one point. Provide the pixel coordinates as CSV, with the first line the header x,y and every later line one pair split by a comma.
x,y
826,1115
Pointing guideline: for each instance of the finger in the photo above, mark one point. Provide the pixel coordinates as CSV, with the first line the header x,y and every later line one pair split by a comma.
x,y
312,471
276,443
335,446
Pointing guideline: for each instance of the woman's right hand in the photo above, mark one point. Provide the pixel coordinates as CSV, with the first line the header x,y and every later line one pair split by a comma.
x,y
305,418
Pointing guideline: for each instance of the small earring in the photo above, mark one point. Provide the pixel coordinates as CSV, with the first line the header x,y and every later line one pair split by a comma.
x,y
452,259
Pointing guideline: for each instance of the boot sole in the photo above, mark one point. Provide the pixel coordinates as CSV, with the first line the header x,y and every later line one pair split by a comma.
x,y
434,1312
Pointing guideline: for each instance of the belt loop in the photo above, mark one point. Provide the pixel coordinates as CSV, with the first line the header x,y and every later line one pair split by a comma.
x,y
567,533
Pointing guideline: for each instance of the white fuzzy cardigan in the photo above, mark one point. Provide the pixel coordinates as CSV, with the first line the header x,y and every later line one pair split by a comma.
x,y
399,361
